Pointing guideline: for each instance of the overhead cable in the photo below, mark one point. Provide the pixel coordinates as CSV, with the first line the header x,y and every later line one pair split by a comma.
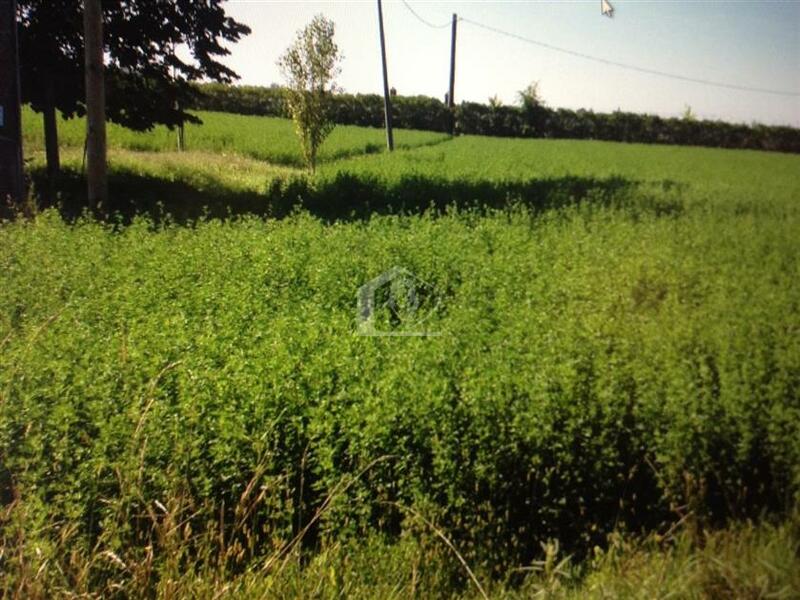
x,y
424,20
648,71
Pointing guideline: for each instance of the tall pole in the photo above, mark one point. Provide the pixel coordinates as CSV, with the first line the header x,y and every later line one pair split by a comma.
x,y
95,106
177,106
51,131
387,103
11,182
451,101
451,96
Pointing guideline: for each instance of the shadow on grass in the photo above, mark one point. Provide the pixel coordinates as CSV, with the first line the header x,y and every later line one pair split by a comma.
x,y
133,194
356,196
349,197
289,158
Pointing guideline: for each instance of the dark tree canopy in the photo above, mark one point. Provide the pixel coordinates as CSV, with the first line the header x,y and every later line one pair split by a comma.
x,y
146,82
51,52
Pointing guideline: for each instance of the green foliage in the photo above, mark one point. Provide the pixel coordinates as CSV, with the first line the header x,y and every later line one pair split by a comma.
x,y
146,81
310,66
618,348
266,138
366,110
472,118
530,97
533,111
746,561
595,367
356,177
51,55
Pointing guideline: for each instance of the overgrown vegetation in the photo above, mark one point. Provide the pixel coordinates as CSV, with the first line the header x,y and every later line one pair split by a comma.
x,y
187,411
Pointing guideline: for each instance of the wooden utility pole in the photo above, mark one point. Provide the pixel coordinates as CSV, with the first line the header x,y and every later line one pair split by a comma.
x,y
11,182
96,176
451,100
51,132
451,96
181,131
387,102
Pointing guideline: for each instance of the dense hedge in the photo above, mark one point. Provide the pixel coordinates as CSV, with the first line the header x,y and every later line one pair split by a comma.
x,y
422,112
409,112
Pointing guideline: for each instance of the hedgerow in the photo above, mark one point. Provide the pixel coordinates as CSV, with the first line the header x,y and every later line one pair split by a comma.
x,y
473,118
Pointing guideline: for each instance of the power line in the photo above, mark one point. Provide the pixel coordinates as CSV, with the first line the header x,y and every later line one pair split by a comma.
x,y
730,86
605,61
423,20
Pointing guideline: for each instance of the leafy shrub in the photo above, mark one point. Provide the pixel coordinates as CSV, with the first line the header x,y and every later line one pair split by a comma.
x,y
420,112
597,367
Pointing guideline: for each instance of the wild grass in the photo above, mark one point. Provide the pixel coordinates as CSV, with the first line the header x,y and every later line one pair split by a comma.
x,y
743,561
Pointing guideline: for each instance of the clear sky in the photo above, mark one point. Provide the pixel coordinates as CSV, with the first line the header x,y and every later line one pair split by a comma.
x,y
755,44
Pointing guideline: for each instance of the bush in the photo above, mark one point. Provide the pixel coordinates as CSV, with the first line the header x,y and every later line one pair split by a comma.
x,y
597,367
422,112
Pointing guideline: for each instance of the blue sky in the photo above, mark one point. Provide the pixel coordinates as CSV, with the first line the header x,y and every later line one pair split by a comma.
x,y
754,44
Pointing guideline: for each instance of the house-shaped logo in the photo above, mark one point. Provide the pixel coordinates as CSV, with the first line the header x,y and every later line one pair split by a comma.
x,y
395,303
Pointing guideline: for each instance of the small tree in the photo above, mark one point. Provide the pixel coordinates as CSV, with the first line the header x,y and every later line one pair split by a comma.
x,y
534,112
530,97
495,102
310,66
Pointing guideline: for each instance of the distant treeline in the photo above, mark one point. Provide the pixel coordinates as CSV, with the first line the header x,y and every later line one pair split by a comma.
x,y
431,114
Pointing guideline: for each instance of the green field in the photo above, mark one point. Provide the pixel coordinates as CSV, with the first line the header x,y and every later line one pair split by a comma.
x,y
259,174
262,138
617,350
